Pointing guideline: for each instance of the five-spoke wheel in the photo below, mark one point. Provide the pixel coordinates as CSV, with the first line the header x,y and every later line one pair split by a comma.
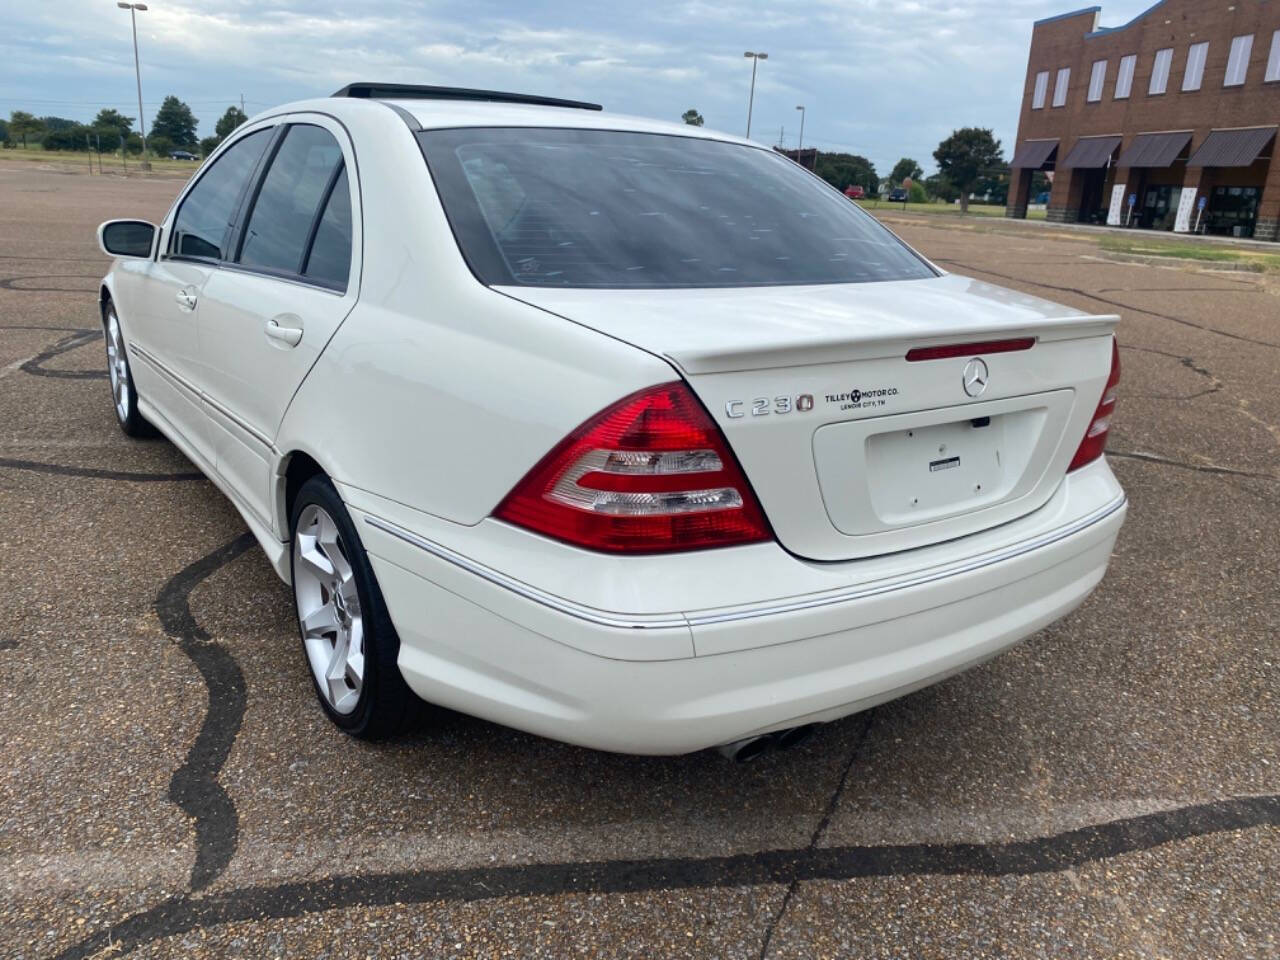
x,y
324,587
347,635
124,396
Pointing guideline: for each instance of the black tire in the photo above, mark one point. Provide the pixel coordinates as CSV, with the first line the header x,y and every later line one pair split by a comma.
x,y
124,395
386,706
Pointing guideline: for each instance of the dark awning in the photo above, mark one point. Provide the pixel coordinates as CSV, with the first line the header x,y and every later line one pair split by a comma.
x,y
1034,153
1092,152
1231,148
1154,149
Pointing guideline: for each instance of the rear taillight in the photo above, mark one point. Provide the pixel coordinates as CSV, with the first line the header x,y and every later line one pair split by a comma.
x,y
651,473
1095,438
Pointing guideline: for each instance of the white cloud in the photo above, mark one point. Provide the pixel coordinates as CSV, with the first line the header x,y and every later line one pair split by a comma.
x,y
885,78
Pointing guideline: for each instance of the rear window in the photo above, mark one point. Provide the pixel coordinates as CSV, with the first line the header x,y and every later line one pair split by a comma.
x,y
598,208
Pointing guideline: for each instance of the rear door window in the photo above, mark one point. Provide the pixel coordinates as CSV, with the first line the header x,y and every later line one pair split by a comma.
x,y
281,222
202,227
329,261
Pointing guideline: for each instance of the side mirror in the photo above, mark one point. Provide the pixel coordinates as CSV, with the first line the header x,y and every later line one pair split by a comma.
x,y
127,238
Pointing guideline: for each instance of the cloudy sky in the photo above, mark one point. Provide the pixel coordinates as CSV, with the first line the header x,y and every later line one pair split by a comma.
x,y
884,79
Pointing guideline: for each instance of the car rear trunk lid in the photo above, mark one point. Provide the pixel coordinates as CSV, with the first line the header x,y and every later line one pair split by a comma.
x,y
853,449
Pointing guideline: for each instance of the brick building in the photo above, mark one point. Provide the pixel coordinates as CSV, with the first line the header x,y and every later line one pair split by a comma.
x,y
1168,122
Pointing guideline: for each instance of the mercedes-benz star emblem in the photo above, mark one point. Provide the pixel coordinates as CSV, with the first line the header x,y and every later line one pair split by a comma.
x,y
975,377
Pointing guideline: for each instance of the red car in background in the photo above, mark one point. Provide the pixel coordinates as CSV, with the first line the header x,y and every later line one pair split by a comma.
x,y
854,192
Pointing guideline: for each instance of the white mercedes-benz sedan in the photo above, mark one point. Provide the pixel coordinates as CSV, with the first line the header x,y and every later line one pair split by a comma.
x,y
630,434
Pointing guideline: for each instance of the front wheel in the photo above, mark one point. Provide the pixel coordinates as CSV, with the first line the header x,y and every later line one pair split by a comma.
x,y
124,396
347,635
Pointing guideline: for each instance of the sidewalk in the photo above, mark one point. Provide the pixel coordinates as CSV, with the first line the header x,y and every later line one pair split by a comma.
x,y
1134,233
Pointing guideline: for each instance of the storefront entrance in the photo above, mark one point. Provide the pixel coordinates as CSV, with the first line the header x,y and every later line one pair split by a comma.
x,y
1093,196
1159,207
1233,211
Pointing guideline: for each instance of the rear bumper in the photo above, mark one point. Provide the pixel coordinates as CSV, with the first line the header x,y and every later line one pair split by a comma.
x,y
510,653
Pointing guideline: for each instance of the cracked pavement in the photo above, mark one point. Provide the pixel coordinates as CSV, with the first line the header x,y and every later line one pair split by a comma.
x,y
168,787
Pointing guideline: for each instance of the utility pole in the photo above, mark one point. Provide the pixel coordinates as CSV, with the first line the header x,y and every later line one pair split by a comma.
x,y
242,104
755,60
800,142
133,9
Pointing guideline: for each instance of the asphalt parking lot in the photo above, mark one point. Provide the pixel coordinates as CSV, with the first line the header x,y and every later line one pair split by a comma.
x,y
169,787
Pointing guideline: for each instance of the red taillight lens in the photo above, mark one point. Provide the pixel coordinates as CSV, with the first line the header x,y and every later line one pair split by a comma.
x,y
1095,438
651,473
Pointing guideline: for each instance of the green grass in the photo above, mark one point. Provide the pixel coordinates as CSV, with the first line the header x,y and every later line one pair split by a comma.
x,y
111,163
942,209
1144,247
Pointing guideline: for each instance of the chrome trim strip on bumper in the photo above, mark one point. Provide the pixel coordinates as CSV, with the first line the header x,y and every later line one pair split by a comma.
x,y
640,622
590,614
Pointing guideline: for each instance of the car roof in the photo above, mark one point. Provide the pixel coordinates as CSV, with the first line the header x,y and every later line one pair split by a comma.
x,y
450,114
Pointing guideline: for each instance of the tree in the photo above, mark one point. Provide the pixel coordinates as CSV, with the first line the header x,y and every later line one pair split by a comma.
x,y
59,123
160,145
940,188
967,155
208,145
76,137
692,117
906,167
228,122
175,122
4,132
844,169
23,124
109,119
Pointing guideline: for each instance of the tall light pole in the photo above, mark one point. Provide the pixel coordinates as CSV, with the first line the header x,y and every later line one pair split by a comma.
x,y
800,142
133,9
755,61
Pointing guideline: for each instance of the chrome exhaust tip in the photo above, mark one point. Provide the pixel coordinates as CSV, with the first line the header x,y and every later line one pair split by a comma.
x,y
745,750
794,736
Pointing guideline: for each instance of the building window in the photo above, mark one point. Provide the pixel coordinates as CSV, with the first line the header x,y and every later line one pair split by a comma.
x,y
1238,62
1042,87
1273,61
1160,72
1195,66
1060,87
1124,79
1097,77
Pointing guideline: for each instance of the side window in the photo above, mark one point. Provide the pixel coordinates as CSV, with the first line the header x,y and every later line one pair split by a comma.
x,y
329,261
279,226
202,226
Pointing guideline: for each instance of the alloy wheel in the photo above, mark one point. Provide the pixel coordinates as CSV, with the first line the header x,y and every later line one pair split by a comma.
x,y
117,366
324,588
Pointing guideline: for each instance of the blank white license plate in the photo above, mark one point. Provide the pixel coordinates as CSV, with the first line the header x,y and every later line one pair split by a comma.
x,y
935,469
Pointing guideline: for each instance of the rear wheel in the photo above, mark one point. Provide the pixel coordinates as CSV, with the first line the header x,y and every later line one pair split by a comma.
x,y
347,635
124,396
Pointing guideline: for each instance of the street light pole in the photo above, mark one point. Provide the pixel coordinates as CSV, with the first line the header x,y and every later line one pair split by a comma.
x,y
133,9
800,142
755,60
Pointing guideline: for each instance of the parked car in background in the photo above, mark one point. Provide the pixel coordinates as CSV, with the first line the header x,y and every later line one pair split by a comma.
x,y
854,192
545,424
897,195
182,155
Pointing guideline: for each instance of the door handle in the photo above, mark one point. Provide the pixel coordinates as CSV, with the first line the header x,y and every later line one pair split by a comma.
x,y
288,335
187,298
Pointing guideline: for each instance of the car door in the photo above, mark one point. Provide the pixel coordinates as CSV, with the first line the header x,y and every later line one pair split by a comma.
x,y
266,315
161,297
